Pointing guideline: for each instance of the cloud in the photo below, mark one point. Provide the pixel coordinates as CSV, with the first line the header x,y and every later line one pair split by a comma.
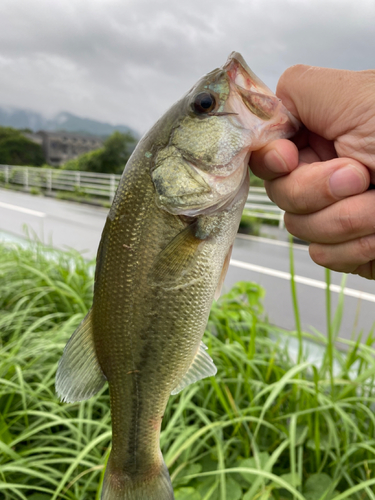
x,y
128,61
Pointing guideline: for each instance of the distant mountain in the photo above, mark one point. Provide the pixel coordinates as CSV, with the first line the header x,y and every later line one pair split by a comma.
x,y
21,119
72,123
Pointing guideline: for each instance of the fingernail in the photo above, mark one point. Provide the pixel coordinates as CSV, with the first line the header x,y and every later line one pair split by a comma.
x,y
347,181
274,162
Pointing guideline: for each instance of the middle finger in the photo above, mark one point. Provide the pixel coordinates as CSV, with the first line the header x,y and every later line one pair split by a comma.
x,y
312,187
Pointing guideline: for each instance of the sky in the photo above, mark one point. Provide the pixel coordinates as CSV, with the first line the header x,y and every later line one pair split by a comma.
x,y
127,61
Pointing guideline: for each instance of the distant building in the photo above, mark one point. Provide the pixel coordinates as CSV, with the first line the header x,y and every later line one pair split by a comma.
x,y
59,147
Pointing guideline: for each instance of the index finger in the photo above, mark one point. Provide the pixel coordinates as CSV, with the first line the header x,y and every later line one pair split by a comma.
x,y
274,160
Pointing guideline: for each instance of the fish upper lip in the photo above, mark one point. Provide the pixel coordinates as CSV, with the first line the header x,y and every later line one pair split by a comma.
x,y
236,66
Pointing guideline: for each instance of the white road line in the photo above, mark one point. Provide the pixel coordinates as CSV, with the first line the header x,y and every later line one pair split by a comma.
x,y
22,209
350,292
271,242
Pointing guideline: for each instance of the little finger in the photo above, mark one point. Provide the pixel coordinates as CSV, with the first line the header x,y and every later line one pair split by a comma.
x,y
355,256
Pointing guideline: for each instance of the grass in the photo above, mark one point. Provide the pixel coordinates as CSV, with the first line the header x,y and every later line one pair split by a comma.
x,y
269,426
77,195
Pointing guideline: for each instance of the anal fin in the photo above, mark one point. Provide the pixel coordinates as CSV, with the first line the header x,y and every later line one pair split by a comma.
x,y
79,375
202,366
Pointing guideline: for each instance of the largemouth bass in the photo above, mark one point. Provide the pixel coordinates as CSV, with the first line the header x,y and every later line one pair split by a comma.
x,y
163,255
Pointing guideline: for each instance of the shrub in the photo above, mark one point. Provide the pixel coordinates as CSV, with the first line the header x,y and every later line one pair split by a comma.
x,y
16,149
109,159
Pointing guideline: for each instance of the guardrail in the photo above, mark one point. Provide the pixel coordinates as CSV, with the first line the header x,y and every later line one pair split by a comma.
x,y
49,180
259,205
104,186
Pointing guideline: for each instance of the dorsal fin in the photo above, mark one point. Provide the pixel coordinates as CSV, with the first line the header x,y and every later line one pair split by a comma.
x,y
202,366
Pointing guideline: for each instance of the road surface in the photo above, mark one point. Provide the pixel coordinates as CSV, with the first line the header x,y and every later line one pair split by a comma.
x,y
265,261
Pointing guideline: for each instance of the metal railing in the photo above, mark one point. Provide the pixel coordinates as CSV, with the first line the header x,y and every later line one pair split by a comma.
x,y
259,205
104,186
49,180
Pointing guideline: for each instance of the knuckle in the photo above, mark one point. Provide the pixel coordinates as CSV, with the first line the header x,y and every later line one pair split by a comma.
x,y
298,197
366,248
345,219
319,254
327,257
290,73
289,194
297,225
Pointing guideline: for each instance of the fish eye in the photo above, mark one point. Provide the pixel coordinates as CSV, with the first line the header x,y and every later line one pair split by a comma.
x,y
204,102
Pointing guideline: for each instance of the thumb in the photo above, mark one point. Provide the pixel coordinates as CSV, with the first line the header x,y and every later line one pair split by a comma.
x,y
327,101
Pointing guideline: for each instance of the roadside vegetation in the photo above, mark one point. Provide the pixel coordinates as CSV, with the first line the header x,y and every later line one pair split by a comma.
x,y
270,426
16,149
110,159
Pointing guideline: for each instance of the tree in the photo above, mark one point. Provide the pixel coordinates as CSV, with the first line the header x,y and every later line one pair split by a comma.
x,y
110,159
16,149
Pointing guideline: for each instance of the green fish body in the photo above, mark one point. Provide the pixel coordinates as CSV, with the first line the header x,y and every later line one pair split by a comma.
x,y
163,255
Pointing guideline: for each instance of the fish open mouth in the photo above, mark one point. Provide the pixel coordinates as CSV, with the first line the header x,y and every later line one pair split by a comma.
x,y
240,74
257,97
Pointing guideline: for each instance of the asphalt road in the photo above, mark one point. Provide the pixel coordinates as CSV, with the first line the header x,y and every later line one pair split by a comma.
x,y
265,261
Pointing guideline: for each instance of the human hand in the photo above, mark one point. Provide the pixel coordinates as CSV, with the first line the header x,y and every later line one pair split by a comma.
x,y
321,179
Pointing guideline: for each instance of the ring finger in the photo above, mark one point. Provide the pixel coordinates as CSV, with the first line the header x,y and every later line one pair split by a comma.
x,y
342,221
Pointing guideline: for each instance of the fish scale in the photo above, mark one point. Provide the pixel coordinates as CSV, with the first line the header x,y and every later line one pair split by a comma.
x,y
163,256
156,329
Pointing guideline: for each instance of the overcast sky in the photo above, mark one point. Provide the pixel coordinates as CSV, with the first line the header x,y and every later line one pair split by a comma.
x,y
127,61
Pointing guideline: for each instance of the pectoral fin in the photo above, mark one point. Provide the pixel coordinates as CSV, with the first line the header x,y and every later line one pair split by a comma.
x,y
177,257
223,274
202,366
79,375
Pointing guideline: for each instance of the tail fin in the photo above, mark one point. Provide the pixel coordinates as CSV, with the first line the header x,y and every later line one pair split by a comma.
x,y
119,486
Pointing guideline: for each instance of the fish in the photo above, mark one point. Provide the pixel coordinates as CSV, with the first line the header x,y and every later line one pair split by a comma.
x,y
161,261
